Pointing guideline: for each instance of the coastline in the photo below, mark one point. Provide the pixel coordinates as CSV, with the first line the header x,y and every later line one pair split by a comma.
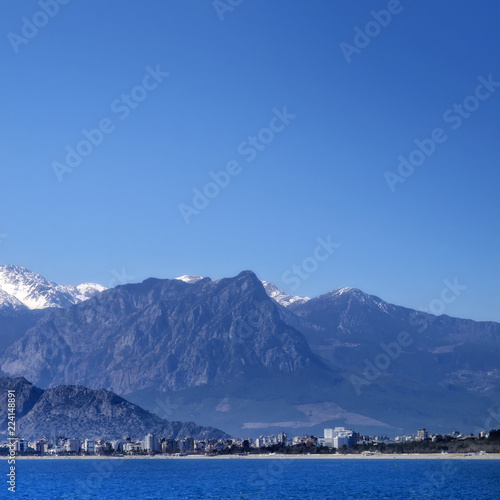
x,y
401,456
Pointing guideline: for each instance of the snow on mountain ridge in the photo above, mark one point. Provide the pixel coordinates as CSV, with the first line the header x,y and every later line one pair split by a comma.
x,y
9,302
20,288
271,289
189,279
360,296
281,297
35,292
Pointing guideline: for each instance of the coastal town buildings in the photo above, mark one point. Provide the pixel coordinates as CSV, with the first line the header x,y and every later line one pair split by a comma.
x,y
422,434
339,437
335,439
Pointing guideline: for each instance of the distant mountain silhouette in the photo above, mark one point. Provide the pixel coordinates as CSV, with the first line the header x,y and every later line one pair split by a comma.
x,y
75,411
224,353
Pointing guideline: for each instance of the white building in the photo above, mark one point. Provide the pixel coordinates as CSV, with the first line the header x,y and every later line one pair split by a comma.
x,y
422,434
88,446
338,437
116,444
262,441
21,446
131,447
72,445
282,438
339,441
151,443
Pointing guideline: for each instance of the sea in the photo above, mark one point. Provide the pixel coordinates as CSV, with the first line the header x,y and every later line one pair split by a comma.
x,y
249,479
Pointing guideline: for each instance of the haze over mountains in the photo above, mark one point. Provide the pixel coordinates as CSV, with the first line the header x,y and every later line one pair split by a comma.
x,y
241,355
75,411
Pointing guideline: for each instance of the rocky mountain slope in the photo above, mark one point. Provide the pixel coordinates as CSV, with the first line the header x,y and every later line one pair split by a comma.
x,y
350,326
14,322
224,353
162,333
76,411
217,349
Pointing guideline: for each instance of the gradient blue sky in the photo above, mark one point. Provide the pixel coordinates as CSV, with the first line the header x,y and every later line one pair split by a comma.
x,y
322,175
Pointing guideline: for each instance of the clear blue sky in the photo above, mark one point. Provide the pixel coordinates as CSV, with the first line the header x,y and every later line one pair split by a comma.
x,y
321,175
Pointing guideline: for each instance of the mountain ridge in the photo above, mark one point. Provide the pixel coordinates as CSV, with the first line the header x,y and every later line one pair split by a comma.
x,y
19,285
225,353
77,411
157,305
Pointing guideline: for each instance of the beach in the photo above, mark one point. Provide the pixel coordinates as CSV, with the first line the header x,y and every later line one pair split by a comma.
x,y
349,456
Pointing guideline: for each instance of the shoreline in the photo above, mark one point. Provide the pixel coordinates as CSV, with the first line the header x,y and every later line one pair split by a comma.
x,y
409,456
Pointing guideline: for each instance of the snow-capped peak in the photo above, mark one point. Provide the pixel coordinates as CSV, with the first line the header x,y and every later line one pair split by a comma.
x,y
351,293
272,291
345,289
85,291
281,297
35,292
9,302
189,279
361,297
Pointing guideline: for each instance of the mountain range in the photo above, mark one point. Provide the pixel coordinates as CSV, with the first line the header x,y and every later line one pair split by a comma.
x,y
241,355
20,289
75,411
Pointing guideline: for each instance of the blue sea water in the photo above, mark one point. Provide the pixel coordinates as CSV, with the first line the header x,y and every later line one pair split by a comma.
x,y
247,479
